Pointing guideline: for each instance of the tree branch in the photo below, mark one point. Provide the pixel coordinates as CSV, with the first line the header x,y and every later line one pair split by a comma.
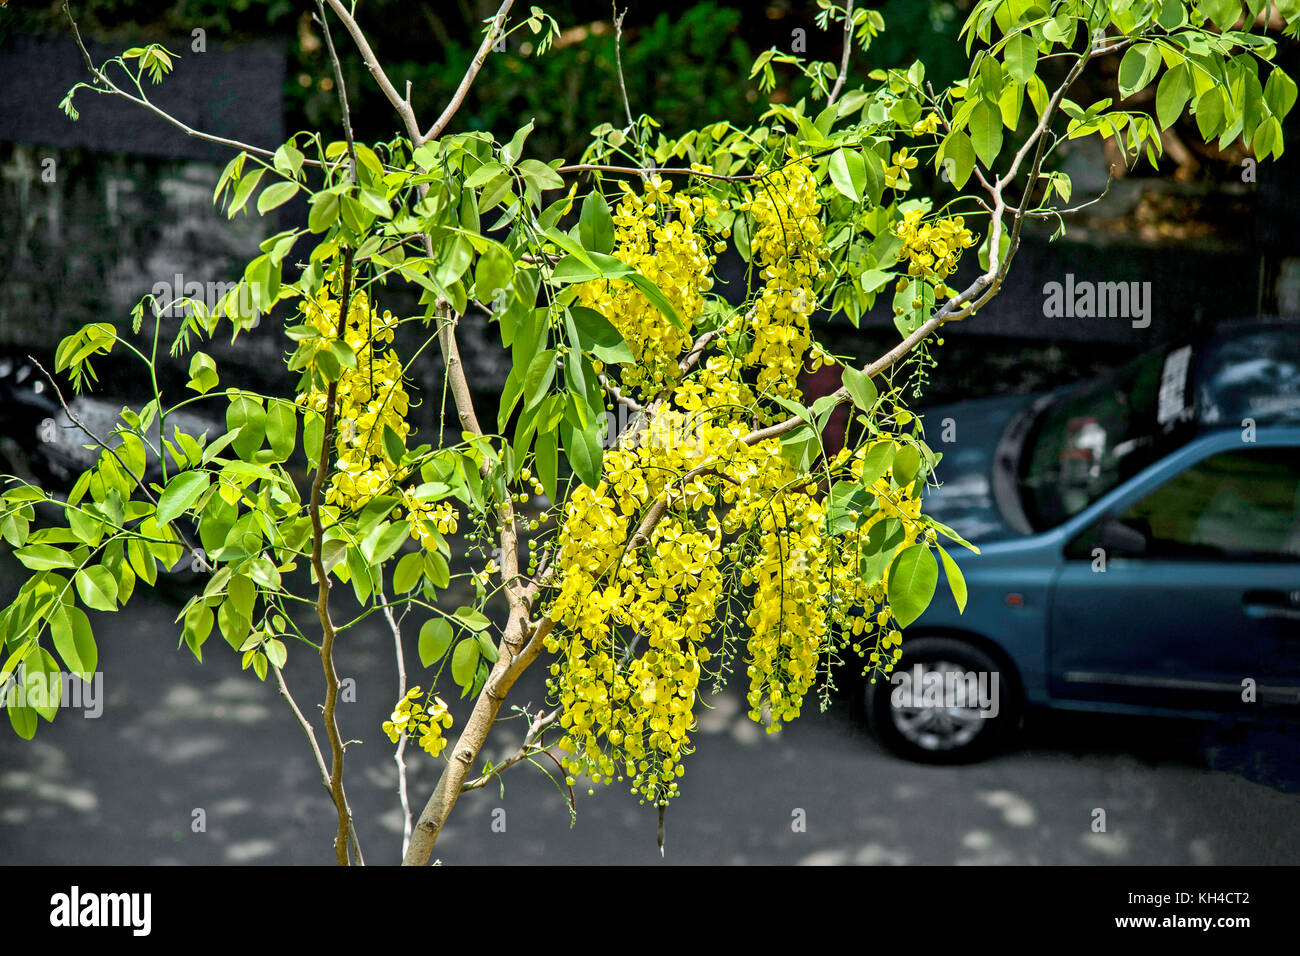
x,y
844,57
459,97
324,465
526,749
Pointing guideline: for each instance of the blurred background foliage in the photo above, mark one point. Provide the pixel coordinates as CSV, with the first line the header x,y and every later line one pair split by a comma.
x,y
686,64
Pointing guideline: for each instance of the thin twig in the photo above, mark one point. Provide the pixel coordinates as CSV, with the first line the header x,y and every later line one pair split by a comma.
x,y
632,129
526,750
195,553
844,57
325,464
617,395
400,754
342,89
403,106
315,747
113,88
459,97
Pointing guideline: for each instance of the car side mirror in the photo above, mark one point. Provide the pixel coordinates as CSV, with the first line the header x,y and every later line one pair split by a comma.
x,y
1121,539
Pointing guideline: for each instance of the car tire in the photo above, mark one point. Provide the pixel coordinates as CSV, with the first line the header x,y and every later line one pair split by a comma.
x,y
942,734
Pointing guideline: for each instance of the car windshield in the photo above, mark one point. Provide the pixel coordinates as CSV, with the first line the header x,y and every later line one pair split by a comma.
x,y
1103,432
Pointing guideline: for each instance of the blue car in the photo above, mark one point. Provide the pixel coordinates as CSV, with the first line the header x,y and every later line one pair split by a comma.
x,y
1139,539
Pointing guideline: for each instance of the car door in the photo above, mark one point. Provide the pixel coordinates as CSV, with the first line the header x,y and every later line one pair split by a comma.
x,y
1188,595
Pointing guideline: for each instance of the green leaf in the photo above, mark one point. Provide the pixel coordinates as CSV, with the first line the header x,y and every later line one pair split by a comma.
x,y
282,429
274,196
23,719
464,661
203,373
1138,67
912,580
598,336
394,447
876,462
906,464
44,557
384,541
41,682
956,158
540,175
435,638
546,458
244,190
1021,56
249,416
538,378
515,148
986,132
484,175
956,581
873,280
596,225
861,389
276,652
848,173
436,570
181,493
1267,139
98,588
486,647
471,618
74,640
324,211
1279,93
582,447
494,270
408,572
1209,113
874,169
1171,95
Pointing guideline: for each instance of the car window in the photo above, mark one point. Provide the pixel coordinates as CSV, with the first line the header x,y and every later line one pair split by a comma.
x,y
1102,433
1238,505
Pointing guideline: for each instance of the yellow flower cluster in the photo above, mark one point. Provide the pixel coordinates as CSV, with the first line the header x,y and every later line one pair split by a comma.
x,y
370,396
627,714
428,520
634,614
932,249
896,174
660,236
787,246
423,721
928,125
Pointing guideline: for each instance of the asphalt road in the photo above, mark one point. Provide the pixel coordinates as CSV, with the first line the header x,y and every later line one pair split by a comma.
x,y
176,737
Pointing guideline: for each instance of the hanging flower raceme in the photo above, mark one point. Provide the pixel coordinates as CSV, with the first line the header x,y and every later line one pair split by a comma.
x,y
370,397
787,247
662,238
636,617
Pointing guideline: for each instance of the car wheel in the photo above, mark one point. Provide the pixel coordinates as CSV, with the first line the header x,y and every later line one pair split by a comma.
x,y
946,701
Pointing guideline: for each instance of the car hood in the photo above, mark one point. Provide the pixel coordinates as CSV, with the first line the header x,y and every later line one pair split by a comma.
x,y
979,441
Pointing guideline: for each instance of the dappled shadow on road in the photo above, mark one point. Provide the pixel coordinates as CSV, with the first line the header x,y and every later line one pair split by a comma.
x,y
177,737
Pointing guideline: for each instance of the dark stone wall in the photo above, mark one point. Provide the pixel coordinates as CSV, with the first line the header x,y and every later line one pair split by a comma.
x,y
232,91
97,213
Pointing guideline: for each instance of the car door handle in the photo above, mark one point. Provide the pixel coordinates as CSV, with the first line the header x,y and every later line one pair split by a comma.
x,y
1276,605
